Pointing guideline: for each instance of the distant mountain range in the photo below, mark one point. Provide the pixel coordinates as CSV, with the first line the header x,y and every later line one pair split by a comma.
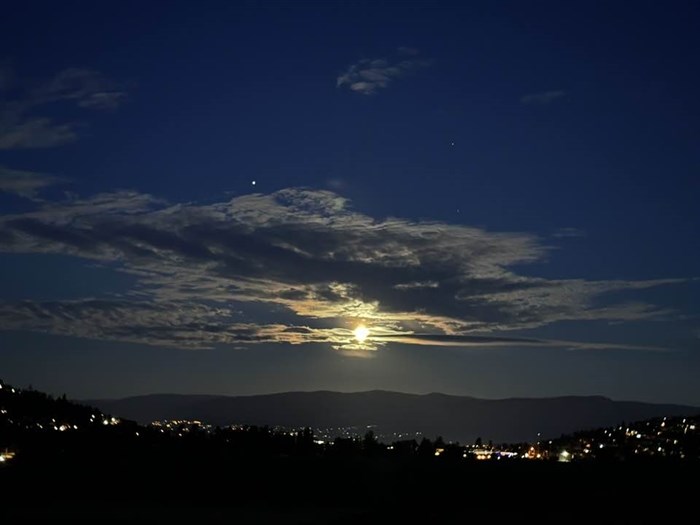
x,y
452,417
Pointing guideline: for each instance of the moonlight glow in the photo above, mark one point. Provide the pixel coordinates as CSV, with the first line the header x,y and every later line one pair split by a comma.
x,y
361,333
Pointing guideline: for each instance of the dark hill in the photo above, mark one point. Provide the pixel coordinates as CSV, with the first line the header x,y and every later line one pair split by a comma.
x,y
453,417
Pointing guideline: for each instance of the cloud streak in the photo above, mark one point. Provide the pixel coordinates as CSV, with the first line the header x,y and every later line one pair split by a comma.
x,y
462,341
24,119
300,266
25,183
367,76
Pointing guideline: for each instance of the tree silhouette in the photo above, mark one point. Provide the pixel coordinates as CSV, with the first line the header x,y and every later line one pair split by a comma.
x,y
426,448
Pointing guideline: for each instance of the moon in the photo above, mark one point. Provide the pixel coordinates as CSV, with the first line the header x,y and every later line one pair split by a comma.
x,y
361,333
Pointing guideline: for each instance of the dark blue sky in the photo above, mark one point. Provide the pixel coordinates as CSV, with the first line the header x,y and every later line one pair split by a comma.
x,y
210,197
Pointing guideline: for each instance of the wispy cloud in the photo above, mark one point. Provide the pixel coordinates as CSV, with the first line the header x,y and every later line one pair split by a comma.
x,y
462,341
87,88
24,116
543,97
25,183
563,233
369,75
18,131
300,266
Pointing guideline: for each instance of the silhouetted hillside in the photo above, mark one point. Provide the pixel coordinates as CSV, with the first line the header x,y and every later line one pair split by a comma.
x,y
68,463
453,417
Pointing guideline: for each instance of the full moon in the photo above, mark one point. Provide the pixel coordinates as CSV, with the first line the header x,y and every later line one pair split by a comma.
x,y
361,333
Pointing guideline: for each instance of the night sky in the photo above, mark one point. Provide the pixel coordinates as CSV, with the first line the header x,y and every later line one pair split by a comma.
x,y
210,197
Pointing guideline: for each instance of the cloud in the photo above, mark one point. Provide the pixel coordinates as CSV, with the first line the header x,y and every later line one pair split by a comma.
x,y
19,132
367,75
564,233
20,125
87,88
176,324
488,341
25,183
103,100
301,266
542,98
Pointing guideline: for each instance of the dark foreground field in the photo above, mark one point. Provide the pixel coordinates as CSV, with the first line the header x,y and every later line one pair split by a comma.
x,y
190,489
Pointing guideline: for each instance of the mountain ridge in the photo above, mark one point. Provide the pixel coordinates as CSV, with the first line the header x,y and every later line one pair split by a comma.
x,y
461,418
